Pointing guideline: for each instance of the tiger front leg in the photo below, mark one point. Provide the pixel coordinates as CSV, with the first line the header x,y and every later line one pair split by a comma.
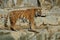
x,y
32,25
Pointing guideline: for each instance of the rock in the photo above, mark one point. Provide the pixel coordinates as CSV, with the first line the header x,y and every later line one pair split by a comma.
x,y
58,20
39,21
55,11
51,20
27,35
58,3
53,29
5,36
20,35
47,20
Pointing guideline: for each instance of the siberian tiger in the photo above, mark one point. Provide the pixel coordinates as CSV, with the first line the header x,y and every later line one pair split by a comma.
x,y
28,14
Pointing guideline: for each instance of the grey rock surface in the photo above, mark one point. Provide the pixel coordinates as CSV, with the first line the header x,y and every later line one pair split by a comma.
x,y
51,31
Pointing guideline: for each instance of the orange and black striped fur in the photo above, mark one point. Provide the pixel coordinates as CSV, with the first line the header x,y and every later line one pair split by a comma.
x,y
28,14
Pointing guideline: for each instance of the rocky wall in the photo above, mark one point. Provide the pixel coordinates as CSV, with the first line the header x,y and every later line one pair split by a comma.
x,y
48,27
26,35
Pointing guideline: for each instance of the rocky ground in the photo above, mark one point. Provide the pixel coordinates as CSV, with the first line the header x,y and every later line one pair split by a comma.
x,y
48,27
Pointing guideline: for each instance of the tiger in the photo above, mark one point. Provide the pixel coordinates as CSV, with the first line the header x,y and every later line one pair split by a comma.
x,y
28,14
